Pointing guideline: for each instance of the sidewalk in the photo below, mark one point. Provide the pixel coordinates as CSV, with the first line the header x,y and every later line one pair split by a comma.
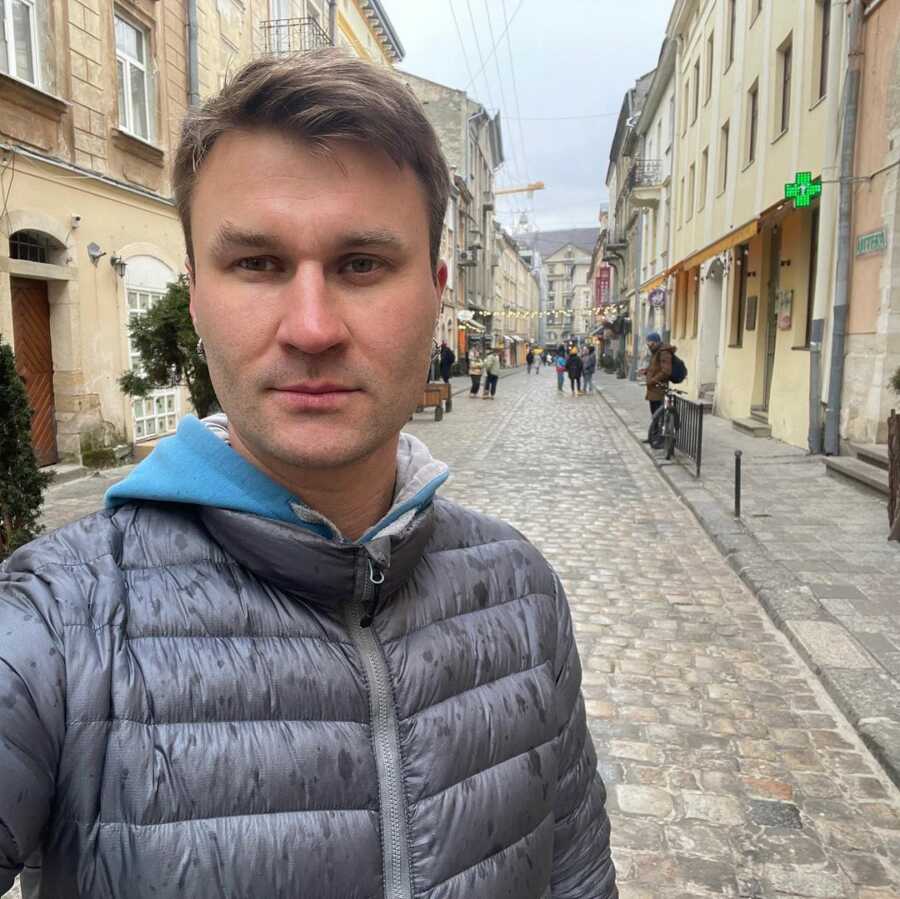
x,y
815,552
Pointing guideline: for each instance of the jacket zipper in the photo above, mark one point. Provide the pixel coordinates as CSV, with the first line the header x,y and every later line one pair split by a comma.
x,y
359,617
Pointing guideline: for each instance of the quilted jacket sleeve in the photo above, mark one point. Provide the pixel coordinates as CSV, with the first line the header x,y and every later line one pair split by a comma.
x,y
582,866
32,713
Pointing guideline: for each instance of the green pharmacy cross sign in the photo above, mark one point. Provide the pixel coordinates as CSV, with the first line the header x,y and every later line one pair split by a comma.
x,y
802,190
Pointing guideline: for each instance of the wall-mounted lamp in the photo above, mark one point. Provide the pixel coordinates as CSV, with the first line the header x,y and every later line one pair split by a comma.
x,y
95,253
119,264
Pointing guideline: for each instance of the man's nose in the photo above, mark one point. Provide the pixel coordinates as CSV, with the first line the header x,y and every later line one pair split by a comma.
x,y
310,320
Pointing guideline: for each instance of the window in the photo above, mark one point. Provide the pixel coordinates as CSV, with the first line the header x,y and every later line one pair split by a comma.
x,y
729,42
685,110
723,156
813,262
133,78
704,178
695,305
824,9
696,106
681,204
18,39
742,261
785,62
156,413
691,187
752,121
710,53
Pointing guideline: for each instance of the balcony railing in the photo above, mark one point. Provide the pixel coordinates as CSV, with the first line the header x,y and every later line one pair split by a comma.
x,y
645,173
285,37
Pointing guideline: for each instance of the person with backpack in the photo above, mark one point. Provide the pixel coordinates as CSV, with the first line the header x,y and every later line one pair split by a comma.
x,y
664,367
574,366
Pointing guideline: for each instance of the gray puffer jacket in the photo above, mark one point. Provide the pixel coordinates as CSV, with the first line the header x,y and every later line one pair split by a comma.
x,y
191,707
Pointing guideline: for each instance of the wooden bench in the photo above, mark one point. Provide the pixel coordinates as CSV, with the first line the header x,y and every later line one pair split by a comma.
x,y
437,396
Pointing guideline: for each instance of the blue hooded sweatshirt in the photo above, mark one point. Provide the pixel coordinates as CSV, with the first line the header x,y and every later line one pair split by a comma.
x,y
197,466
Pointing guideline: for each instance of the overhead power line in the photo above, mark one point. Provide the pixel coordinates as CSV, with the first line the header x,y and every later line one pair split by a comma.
x,y
496,45
462,45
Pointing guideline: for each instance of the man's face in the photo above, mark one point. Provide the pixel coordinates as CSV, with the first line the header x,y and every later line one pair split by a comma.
x,y
313,291
653,345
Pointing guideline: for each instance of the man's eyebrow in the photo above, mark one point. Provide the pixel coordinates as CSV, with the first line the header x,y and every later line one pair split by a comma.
x,y
375,239
230,236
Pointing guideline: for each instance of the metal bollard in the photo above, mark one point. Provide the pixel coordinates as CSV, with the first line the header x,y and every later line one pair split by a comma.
x,y
737,483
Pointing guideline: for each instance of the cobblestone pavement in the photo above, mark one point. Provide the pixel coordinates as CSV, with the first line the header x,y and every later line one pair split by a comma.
x,y
814,549
730,771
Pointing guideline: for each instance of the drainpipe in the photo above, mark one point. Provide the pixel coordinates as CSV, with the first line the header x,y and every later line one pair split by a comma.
x,y
828,216
845,215
332,21
193,32
635,319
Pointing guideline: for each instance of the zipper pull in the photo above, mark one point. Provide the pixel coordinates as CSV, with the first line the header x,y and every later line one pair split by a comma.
x,y
376,579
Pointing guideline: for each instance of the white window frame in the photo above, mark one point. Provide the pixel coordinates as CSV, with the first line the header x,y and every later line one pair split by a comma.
x,y
156,423
128,62
10,38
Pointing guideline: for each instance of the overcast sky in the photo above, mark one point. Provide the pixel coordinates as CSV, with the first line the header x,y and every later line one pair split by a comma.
x,y
572,58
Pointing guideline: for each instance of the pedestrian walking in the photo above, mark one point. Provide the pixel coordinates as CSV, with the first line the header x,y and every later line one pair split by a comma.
x,y
261,670
574,367
560,371
448,357
475,368
529,360
589,367
491,375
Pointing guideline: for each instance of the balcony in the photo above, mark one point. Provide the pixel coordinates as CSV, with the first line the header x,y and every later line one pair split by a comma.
x,y
288,37
645,183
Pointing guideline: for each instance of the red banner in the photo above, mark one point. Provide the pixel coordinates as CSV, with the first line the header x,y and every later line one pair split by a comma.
x,y
601,286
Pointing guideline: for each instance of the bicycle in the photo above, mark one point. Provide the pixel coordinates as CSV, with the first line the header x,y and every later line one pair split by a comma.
x,y
665,424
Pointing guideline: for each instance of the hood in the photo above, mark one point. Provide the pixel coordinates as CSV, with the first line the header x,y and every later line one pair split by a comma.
x,y
198,467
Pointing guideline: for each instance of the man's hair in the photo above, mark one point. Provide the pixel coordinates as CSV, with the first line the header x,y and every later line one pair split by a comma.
x,y
321,97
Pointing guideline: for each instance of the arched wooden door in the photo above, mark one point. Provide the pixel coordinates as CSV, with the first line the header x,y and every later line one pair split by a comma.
x,y
34,362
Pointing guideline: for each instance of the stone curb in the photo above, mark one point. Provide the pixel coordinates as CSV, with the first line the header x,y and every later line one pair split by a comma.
x,y
859,686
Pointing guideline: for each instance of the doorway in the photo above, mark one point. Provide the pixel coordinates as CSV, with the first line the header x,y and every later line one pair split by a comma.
x,y
711,327
34,362
772,313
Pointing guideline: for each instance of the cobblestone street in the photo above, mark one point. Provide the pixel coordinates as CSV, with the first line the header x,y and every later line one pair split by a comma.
x,y
730,771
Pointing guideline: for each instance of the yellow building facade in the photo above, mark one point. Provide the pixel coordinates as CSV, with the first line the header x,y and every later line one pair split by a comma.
x,y
752,85
91,99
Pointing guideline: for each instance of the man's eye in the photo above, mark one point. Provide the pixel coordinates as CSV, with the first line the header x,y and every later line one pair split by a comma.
x,y
256,264
362,265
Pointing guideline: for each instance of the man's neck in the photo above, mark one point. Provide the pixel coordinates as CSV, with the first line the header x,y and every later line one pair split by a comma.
x,y
353,497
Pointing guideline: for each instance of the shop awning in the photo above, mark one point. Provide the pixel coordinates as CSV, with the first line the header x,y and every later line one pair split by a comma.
x,y
471,326
659,280
738,236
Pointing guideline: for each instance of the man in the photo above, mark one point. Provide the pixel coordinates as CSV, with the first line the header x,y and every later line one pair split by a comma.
x,y
590,366
574,366
448,357
491,374
659,371
529,360
277,664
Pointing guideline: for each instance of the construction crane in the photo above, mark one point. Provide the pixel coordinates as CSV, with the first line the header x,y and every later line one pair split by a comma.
x,y
530,188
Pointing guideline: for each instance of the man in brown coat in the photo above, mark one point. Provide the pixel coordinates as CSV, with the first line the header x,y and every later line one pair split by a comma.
x,y
659,370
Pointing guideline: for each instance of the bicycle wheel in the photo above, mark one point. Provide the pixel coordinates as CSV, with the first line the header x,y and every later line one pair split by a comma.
x,y
670,446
